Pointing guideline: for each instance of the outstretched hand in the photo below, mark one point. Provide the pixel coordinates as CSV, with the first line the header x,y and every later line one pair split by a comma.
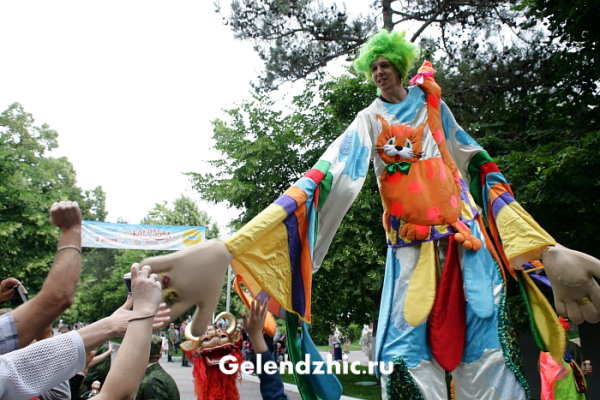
x,y
576,293
145,290
193,276
144,301
253,324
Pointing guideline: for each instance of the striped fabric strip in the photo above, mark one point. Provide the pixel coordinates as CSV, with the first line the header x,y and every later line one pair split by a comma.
x,y
475,186
500,202
294,248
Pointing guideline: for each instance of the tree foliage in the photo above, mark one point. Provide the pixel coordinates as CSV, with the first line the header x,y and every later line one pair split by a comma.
x,y
298,37
184,212
30,181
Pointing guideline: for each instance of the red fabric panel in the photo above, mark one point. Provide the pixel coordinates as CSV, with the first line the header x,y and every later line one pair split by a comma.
x,y
447,324
315,175
485,169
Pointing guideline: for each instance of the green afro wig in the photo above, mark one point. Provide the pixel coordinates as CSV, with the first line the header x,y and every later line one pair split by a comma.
x,y
390,45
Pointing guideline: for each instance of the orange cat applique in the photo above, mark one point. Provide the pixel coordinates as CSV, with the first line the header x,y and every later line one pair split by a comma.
x,y
420,191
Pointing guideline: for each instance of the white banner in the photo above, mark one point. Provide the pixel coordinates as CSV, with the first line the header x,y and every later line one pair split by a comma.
x,y
142,237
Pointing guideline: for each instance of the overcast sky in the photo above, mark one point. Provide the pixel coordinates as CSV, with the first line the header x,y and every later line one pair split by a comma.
x,y
130,86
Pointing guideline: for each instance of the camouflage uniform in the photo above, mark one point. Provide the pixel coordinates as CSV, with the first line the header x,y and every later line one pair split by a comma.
x,y
173,338
157,385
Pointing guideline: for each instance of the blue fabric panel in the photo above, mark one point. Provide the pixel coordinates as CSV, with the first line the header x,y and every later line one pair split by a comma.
x,y
407,109
478,269
355,155
326,386
395,337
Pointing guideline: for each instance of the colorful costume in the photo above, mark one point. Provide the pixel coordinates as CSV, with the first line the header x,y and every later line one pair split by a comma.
x,y
429,194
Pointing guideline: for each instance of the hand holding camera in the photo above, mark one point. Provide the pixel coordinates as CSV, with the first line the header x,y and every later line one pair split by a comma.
x,y
12,289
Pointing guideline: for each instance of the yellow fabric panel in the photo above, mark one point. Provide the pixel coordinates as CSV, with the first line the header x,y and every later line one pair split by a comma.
x,y
260,255
522,238
546,320
421,289
259,226
266,265
466,211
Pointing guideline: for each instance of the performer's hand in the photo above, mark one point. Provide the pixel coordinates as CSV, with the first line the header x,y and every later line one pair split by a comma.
x,y
196,275
576,293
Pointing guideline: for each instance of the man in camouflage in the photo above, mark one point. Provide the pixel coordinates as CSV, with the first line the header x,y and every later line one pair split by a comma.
x,y
157,384
173,338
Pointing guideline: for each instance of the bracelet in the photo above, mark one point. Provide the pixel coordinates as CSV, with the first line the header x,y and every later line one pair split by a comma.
x,y
141,318
68,246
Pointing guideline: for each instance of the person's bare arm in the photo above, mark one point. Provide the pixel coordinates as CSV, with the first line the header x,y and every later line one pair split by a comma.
x,y
57,292
99,358
128,370
116,324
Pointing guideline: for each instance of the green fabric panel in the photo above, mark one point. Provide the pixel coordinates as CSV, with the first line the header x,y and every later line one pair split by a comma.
x,y
400,385
509,343
293,347
322,166
534,332
475,186
325,188
565,389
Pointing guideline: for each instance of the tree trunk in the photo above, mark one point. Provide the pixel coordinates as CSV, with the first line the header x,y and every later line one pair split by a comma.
x,y
387,14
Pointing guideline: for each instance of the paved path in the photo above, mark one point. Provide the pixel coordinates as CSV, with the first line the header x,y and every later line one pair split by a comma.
x,y
249,387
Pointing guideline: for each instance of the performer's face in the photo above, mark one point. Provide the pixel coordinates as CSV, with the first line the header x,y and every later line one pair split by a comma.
x,y
385,75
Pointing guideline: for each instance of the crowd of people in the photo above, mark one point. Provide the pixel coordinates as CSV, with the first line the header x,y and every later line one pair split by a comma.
x,y
37,364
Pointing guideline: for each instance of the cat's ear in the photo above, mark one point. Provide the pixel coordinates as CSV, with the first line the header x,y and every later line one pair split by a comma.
x,y
382,125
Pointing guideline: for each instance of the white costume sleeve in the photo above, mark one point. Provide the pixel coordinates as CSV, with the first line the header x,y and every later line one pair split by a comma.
x,y
348,157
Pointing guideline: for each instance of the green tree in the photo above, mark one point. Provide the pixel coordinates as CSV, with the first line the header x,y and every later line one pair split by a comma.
x,y
30,181
184,212
299,37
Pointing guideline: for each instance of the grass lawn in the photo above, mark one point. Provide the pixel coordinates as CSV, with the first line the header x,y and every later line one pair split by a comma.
x,y
350,386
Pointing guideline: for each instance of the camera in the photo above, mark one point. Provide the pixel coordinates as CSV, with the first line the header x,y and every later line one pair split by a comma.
x,y
19,296
127,280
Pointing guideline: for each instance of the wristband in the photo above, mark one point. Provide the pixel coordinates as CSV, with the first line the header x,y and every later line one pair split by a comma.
x,y
68,246
141,318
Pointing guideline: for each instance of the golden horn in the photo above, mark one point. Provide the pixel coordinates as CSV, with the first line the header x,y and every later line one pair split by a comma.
x,y
188,333
228,317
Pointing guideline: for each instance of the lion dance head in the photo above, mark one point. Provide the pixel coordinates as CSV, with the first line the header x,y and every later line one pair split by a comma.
x,y
206,353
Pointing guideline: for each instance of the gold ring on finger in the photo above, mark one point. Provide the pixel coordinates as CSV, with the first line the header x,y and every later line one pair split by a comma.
x,y
585,300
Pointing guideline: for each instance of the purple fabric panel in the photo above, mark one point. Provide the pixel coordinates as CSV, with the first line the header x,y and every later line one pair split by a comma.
x,y
542,278
501,201
287,202
295,249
